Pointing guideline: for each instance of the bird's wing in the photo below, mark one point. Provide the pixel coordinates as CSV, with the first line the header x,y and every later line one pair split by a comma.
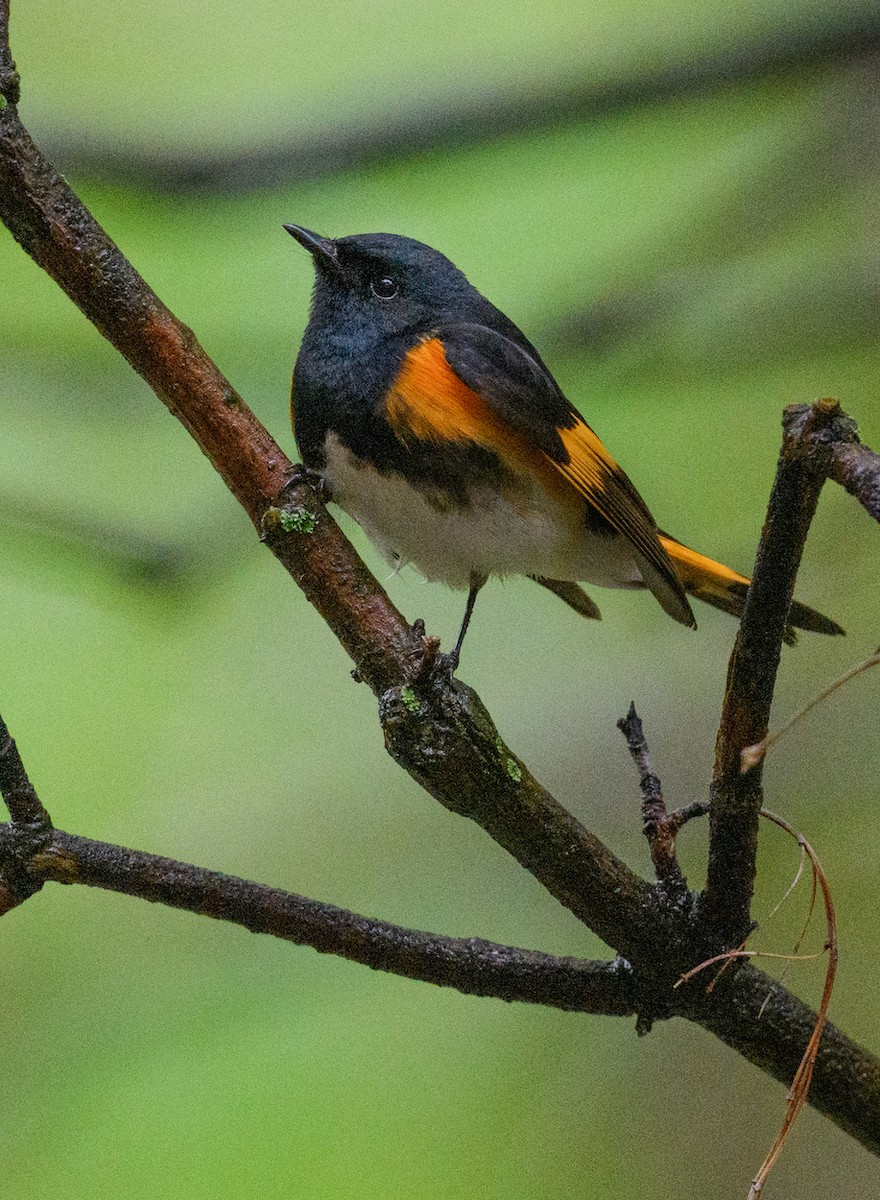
x,y
468,381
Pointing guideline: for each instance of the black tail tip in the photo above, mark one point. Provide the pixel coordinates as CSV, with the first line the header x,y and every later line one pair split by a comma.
x,y
802,617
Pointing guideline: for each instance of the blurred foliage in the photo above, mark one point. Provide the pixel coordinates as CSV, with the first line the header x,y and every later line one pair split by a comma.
x,y
690,267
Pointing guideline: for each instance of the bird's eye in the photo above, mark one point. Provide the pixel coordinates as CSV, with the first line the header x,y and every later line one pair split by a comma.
x,y
384,288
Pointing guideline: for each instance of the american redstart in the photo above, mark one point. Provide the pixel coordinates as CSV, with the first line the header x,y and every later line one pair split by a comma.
x,y
434,422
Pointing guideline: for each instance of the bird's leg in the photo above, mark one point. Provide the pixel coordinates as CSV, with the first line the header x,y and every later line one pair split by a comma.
x,y
451,659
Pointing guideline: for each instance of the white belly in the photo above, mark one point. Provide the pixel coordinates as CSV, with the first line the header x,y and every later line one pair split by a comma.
x,y
526,533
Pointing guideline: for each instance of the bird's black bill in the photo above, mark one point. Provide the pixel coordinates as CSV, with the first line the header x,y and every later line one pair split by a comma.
x,y
321,249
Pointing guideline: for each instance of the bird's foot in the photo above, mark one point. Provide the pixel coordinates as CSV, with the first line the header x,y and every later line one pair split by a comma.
x,y
300,475
446,665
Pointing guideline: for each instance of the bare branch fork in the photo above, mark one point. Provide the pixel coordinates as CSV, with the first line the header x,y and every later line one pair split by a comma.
x,y
659,826
441,733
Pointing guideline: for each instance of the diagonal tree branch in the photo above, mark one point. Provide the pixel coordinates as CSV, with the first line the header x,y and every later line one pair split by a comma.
x,y
58,232
809,435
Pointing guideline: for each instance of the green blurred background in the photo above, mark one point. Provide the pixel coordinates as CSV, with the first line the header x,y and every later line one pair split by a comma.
x,y
690,257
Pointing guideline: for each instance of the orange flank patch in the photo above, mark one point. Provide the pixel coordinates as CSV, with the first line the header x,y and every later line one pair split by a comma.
x,y
428,401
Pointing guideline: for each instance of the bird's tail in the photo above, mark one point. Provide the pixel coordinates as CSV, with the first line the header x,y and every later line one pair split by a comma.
x,y
725,589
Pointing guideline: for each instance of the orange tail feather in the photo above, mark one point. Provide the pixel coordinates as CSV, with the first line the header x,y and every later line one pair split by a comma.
x,y
723,588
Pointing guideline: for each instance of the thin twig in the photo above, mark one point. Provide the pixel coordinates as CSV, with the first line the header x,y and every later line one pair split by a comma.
x,y
688,812
15,787
658,826
654,827
728,956
810,908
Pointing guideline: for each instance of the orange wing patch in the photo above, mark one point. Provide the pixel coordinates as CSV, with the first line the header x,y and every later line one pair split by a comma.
x,y
604,484
601,481
428,401
590,467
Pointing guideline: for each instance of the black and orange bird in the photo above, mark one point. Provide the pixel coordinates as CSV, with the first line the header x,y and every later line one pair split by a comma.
x,y
433,421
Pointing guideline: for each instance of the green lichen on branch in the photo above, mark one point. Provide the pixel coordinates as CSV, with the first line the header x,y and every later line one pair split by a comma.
x,y
511,766
297,520
289,520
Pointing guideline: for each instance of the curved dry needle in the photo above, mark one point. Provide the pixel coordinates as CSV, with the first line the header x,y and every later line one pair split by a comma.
x,y
750,756
730,955
800,1085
